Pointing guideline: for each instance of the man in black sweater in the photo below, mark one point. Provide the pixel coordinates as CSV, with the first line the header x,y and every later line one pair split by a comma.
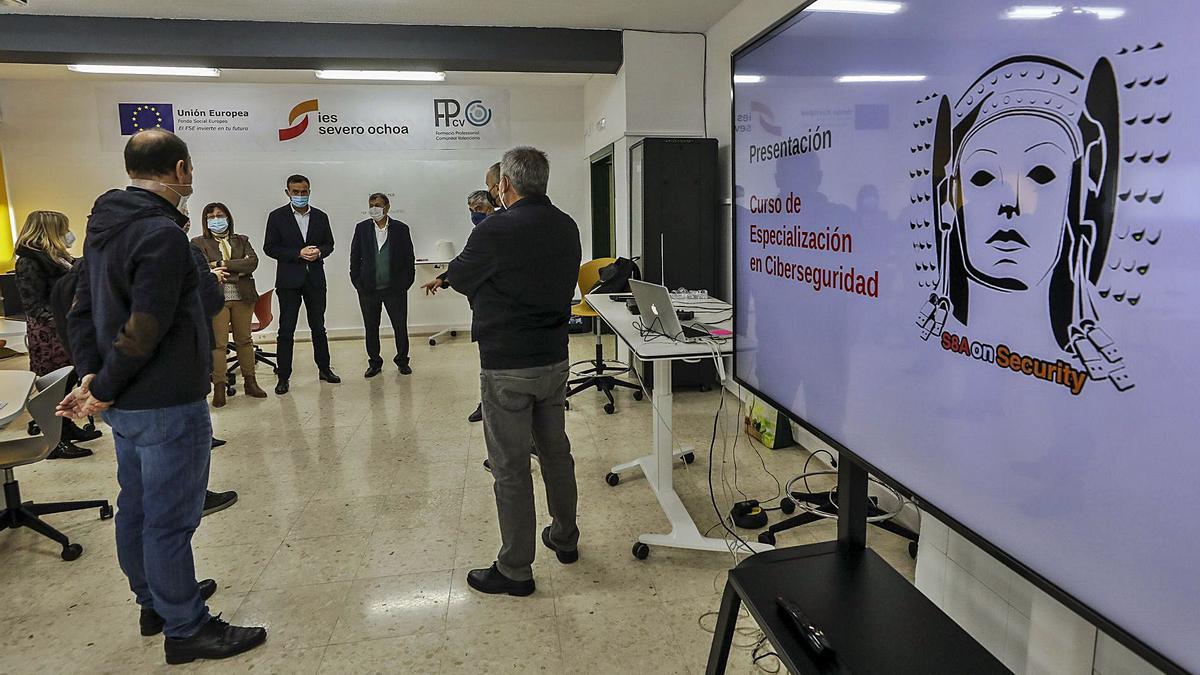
x,y
519,270
140,340
299,237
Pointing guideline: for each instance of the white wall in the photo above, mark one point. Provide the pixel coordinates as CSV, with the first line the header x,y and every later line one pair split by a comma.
x,y
1027,629
55,160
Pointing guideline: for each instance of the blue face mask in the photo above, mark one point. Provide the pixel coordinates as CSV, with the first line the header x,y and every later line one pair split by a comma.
x,y
477,217
218,225
300,202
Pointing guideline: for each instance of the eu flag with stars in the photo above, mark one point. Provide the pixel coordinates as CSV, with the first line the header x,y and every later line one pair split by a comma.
x,y
137,117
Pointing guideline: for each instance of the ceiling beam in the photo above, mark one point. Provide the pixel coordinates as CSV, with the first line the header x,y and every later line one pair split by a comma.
x,y
277,45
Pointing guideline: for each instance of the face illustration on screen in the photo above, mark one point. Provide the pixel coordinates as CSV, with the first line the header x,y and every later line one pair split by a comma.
x,y
1024,183
1015,183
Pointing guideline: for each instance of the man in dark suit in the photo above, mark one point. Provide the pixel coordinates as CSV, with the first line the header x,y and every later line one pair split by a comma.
x,y
382,269
299,238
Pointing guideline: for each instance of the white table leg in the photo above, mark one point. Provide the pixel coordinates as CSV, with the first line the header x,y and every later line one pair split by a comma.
x,y
657,468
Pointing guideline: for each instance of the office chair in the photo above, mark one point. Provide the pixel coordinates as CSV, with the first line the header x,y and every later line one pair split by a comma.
x,y
262,319
22,451
601,375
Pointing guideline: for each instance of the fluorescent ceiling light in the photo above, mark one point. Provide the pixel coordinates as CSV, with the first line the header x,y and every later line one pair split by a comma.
x,y
165,71
1102,13
405,75
1033,12
856,6
881,78
747,79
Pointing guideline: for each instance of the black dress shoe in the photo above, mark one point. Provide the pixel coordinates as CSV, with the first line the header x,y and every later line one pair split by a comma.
x,y
72,432
217,501
152,623
217,442
329,376
493,582
476,416
215,640
281,387
68,450
405,369
372,371
564,557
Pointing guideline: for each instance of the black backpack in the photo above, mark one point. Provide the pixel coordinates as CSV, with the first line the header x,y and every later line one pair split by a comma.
x,y
62,299
614,278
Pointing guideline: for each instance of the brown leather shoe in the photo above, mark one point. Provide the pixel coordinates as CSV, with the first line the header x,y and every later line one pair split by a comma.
x,y
218,396
252,388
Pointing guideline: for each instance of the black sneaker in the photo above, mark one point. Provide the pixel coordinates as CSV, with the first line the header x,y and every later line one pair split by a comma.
x,y
564,557
215,640
406,369
68,450
218,501
152,623
476,416
493,582
329,376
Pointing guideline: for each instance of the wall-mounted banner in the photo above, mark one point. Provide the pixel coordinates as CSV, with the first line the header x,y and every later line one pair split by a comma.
x,y
294,117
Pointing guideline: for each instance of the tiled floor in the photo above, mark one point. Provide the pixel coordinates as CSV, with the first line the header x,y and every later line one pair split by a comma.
x,y
362,507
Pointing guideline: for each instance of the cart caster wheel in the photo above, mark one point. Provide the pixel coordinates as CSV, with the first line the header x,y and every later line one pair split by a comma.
x,y
767,538
230,391
89,427
33,429
72,552
612,479
641,551
432,342
106,512
689,457
566,404
912,550
453,333
787,506
609,408
638,395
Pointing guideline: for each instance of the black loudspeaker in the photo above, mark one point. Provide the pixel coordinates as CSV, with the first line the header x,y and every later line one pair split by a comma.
x,y
674,207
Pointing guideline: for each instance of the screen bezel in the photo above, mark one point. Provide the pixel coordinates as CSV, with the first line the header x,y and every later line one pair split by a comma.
x,y
1101,622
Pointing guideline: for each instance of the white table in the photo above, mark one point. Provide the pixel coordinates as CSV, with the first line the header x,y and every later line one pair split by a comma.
x,y
437,265
15,386
658,465
10,329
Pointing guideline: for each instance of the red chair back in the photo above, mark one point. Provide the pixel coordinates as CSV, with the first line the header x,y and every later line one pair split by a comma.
x,y
262,312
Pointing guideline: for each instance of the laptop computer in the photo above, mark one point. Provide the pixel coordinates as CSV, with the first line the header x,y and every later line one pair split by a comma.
x,y
658,313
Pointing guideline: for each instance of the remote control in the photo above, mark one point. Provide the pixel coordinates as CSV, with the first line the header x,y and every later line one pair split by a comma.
x,y
812,637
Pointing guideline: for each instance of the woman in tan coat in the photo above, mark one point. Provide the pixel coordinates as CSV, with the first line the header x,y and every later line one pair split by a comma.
x,y
232,252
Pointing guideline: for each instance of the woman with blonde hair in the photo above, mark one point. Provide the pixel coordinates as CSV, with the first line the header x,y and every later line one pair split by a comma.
x,y
42,259
232,253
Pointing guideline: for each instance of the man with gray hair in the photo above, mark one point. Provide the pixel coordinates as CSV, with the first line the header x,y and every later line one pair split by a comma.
x,y
519,269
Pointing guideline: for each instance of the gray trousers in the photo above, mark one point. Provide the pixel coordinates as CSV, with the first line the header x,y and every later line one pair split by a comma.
x,y
519,404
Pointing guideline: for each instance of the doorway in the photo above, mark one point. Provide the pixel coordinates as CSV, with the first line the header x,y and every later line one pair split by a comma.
x,y
604,204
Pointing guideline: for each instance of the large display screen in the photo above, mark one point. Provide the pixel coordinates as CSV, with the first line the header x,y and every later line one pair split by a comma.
x,y
967,250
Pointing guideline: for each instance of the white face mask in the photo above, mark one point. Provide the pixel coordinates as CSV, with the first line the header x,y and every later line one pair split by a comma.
x,y
183,198
376,213
500,194
69,239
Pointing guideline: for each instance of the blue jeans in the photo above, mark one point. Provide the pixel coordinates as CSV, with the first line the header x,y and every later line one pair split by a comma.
x,y
162,467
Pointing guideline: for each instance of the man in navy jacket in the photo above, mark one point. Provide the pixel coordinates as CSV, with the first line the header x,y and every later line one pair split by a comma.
x,y
299,238
382,269
519,270
140,339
